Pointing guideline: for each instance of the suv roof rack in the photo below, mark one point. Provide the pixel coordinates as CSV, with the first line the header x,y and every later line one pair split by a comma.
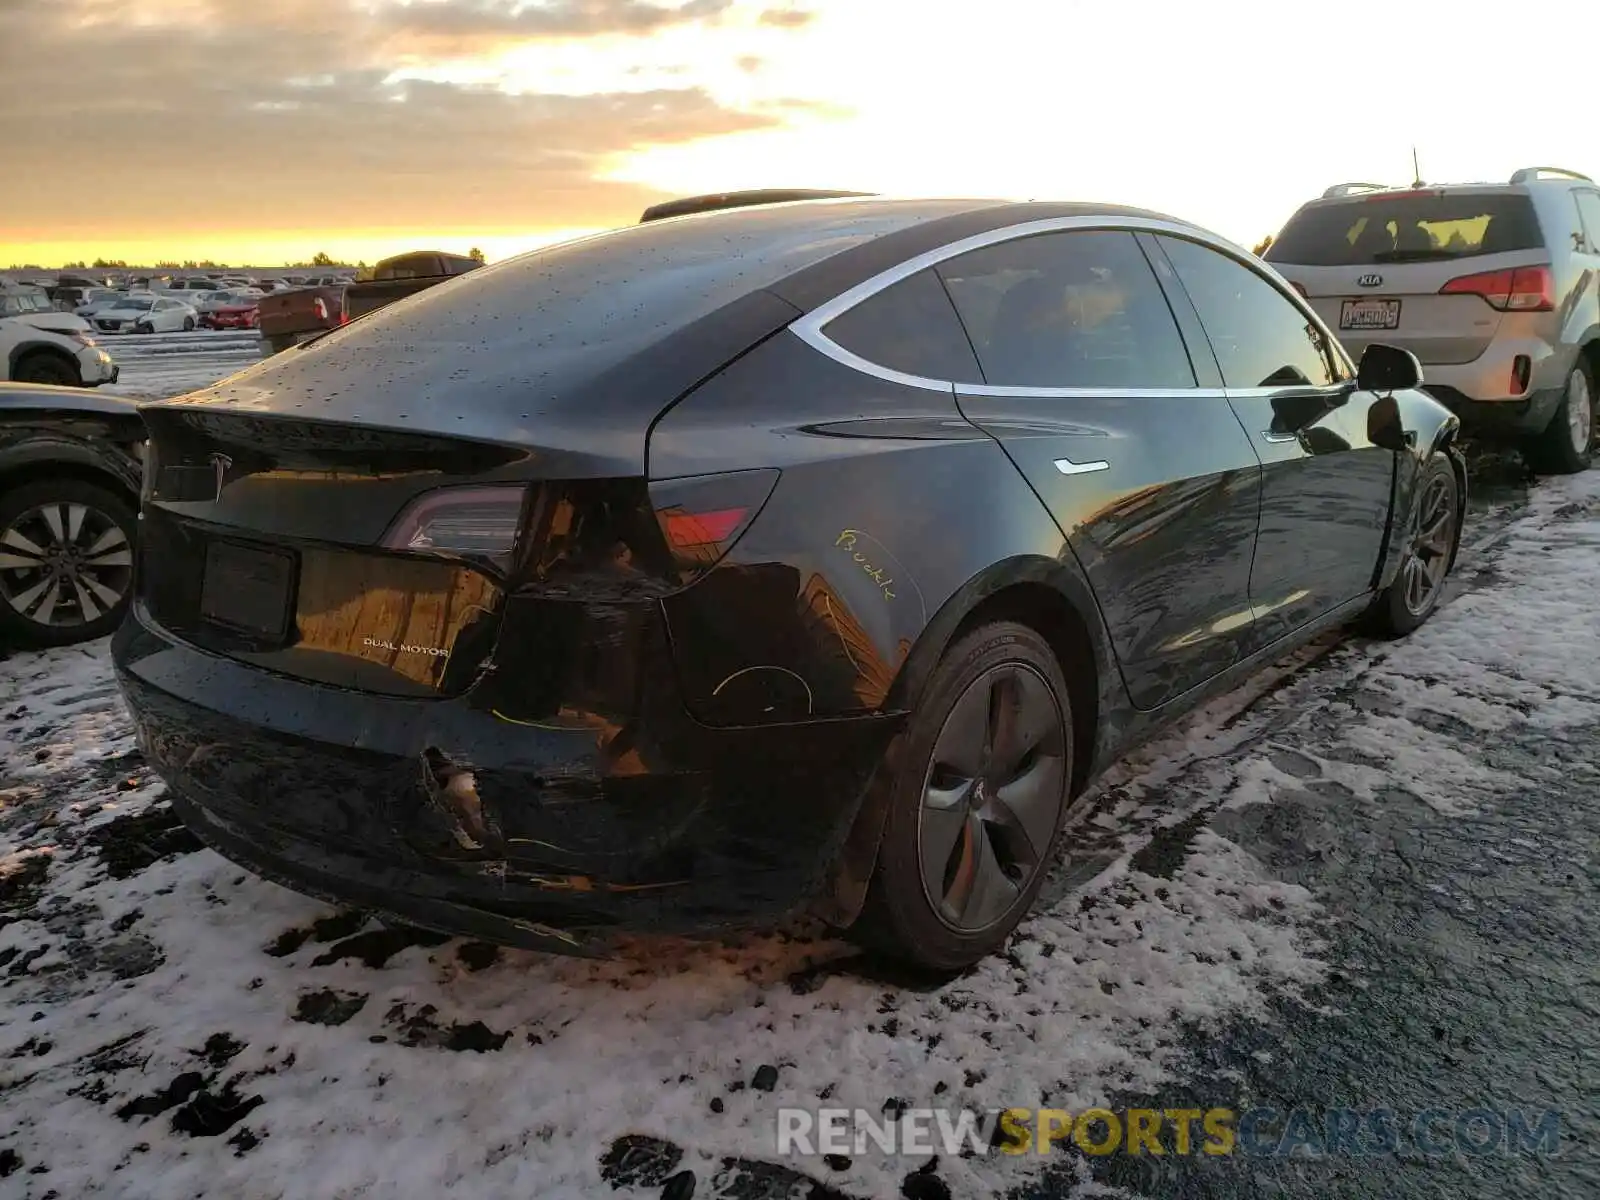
x,y
719,200
1351,189
1529,174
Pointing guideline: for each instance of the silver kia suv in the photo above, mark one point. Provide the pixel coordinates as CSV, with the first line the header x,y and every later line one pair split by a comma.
x,y
1495,287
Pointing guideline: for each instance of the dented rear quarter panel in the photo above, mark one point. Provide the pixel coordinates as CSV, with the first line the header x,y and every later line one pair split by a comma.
x,y
893,518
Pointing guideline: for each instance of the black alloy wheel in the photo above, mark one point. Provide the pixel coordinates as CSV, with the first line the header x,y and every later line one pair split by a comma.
x,y
1419,586
977,803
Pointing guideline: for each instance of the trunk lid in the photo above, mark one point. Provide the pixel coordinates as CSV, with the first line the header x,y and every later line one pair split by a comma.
x,y
259,540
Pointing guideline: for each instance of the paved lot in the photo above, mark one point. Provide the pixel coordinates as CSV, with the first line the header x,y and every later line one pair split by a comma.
x,y
167,364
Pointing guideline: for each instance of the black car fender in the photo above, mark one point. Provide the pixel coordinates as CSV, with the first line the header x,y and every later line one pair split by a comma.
x,y
1431,429
1010,588
888,588
857,573
80,457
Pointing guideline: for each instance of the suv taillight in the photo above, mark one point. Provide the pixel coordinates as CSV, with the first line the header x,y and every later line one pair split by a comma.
x,y
1524,289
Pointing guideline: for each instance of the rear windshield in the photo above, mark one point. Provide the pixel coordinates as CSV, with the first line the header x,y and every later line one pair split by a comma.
x,y
567,312
1407,227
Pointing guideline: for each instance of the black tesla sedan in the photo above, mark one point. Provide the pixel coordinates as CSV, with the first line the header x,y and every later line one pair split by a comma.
x,y
814,554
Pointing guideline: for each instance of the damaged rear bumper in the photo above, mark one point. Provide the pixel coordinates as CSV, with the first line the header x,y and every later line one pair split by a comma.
x,y
557,834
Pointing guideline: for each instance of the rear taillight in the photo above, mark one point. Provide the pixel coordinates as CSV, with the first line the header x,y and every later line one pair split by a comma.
x,y
1523,289
701,516
462,522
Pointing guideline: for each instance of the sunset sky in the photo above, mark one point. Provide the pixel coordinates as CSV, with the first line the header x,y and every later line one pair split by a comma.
x,y
262,131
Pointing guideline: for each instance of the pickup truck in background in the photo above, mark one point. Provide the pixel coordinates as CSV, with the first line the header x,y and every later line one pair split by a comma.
x,y
289,318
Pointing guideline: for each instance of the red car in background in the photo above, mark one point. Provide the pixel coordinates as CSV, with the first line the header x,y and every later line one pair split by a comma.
x,y
230,310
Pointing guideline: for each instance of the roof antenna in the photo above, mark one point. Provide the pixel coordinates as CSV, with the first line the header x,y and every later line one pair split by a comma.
x,y
1416,169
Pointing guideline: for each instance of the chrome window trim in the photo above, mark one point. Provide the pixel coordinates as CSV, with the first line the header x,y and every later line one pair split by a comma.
x,y
1329,390
867,367
1110,393
809,328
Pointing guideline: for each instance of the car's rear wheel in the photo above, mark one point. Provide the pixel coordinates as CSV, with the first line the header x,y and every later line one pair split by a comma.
x,y
1567,444
48,368
66,561
976,803
188,324
1419,586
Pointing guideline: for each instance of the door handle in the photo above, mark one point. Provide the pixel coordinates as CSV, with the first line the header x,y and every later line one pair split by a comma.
x,y
1268,436
1067,467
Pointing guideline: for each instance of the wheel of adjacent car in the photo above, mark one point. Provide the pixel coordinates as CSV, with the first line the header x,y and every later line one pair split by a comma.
x,y
143,327
976,804
188,324
1567,444
47,368
1431,539
66,561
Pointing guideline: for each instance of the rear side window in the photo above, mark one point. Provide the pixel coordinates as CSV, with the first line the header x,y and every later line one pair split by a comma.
x,y
1079,309
909,327
1261,338
415,267
1407,227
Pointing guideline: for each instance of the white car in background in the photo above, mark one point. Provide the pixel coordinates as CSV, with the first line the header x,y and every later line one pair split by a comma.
x,y
40,344
95,299
146,312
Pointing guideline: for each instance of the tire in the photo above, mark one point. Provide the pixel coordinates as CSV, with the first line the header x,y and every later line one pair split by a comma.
x,y
48,368
1567,444
948,797
188,324
1432,531
91,594
141,327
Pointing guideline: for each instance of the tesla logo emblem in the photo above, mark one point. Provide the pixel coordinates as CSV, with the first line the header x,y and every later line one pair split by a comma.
x,y
220,463
1370,281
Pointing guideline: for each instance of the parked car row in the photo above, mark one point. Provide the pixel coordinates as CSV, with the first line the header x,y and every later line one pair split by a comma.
x,y
768,555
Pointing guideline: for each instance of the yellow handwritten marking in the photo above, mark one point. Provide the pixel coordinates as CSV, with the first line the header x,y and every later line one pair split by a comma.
x,y
847,541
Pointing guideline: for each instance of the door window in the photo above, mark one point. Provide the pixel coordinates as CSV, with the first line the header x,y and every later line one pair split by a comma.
x,y
1262,339
909,327
1589,210
1079,309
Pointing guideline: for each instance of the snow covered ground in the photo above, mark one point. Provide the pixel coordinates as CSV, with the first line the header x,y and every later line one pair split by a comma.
x,y
168,364
171,1026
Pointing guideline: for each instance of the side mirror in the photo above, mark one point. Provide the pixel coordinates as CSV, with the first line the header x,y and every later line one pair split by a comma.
x,y
1387,369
